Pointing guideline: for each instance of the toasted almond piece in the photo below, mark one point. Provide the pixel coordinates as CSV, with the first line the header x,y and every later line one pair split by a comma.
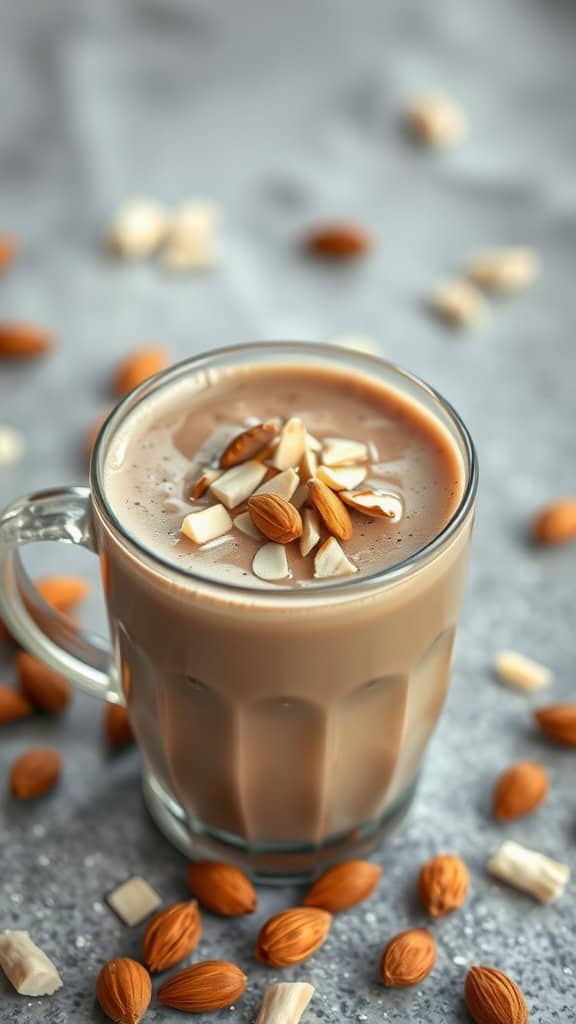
x,y
343,886
117,728
13,705
134,900
207,477
520,672
342,478
204,987
291,445
292,936
26,966
63,592
493,998
558,723
435,120
504,270
529,871
330,509
376,504
275,517
556,523
341,451
138,228
207,524
443,884
284,484
244,523
41,685
248,444
310,531
35,772
20,341
520,790
222,888
7,251
408,958
300,496
171,935
339,241
138,366
285,1002
330,560
12,446
124,990
270,563
238,483
459,303
308,465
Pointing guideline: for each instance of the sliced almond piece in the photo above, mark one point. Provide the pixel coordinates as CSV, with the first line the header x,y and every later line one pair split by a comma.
x,y
378,504
308,465
207,524
237,484
207,477
310,531
330,560
300,496
270,563
341,451
335,516
291,445
284,484
248,444
245,525
342,478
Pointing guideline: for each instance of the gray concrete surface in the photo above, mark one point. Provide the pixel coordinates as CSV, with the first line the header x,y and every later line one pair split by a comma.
x,y
285,113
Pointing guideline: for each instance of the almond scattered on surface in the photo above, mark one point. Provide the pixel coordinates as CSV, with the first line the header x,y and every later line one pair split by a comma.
x,y
13,705
436,120
504,270
408,958
7,251
26,966
222,888
556,523
285,1002
292,936
530,871
63,592
134,900
204,987
192,235
443,884
248,444
275,517
331,510
520,790
124,990
338,241
138,228
558,723
171,936
343,885
459,303
493,998
521,673
12,446
20,341
138,366
35,772
41,685
117,728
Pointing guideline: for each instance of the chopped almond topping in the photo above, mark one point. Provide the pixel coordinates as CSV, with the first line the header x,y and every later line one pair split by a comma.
x,y
207,524
310,531
374,503
248,444
238,483
284,484
342,478
291,445
270,563
207,477
341,451
330,560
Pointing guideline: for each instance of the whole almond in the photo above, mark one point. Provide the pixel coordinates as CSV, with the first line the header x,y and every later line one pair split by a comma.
x,y
275,517
520,790
556,523
558,723
13,705
19,341
138,366
292,936
171,935
117,728
63,592
204,987
339,241
222,888
248,444
43,687
35,772
343,886
331,510
7,251
493,998
124,990
443,884
408,958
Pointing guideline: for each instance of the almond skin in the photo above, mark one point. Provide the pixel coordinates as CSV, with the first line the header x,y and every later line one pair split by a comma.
x,y
248,444
556,524
408,958
171,935
124,990
117,728
41,685
222,888
520,790
443,884
343,886
331,510
558,723
201,988
13,705
292,936
275,517
141,364
339,241
493,998
63,592
35,772
23,341
7,251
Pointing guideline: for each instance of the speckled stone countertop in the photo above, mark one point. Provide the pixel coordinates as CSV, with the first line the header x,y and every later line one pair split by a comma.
x,y
283,114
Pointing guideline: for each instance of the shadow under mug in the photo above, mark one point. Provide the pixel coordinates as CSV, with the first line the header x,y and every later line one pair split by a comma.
x,y
279,728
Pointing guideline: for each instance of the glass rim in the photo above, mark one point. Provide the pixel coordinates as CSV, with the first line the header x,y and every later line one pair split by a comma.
x,y
338,587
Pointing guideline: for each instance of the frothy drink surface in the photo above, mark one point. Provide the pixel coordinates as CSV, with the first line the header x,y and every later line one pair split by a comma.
x,y
160,450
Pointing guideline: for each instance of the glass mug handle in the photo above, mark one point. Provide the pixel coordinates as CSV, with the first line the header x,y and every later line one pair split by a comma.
x,y
62,514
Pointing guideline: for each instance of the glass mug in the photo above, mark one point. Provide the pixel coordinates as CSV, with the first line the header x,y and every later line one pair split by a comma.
x,y
279,728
